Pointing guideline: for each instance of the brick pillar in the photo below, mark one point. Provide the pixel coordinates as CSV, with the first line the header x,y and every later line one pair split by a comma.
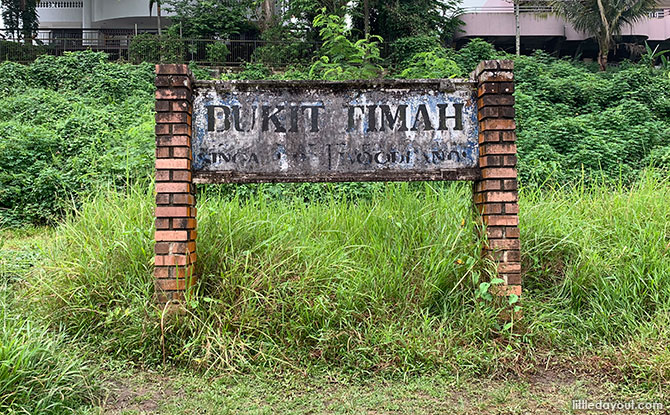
x,y
495,194
175,253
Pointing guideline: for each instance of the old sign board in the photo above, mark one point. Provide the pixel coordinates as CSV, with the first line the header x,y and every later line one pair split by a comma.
x,y
248,131
294,131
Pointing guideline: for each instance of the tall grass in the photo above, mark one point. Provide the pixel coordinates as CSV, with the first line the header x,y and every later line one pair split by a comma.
x,y
599,260
37,374
385,284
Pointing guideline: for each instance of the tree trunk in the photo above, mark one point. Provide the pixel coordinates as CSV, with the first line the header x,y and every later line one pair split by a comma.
x,y
158,18
366,18
606,35
26,21
267,12
518,28
602,60
603,51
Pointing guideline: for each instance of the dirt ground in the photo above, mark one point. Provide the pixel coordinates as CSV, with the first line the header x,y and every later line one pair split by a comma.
x,y
547,392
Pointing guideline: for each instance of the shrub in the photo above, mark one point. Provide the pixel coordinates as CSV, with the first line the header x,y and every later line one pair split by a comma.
x,y
475,51
217,52
341,58
20,52
250,71
77,122
147,47
284,45
573,121
406,48
431,65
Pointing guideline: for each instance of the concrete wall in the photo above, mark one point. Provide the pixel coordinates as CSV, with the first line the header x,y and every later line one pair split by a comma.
x,y
60,17
90,14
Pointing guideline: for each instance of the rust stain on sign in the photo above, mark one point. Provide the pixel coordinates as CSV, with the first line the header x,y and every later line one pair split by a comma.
x,y
248,131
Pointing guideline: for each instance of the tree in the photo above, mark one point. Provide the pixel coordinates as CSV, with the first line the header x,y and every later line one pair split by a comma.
x,y
396,19
340,58
298,16
21,20
211,19
603,19
517,24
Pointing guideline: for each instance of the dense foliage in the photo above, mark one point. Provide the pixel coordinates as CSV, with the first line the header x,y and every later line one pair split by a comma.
x,y
573,120
208,19
67,126
70,124
339,57
148,47
396,19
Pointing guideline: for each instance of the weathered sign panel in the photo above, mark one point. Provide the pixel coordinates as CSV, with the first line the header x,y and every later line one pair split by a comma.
x,y
253,131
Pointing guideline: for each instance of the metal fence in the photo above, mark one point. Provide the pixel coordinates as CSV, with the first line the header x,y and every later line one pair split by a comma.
x,y
136,46
129,45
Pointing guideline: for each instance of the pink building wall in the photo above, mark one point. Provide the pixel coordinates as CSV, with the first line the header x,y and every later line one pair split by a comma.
x,y
495,18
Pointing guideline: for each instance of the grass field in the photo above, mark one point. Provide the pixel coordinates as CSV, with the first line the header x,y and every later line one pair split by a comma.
x,y
341,306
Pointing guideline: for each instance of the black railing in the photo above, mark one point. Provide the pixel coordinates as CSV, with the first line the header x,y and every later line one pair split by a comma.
x,y
201,51
126,45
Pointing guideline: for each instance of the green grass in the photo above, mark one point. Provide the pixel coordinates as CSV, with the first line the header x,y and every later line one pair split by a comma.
x,y
601,257
38,375
381,287
377,285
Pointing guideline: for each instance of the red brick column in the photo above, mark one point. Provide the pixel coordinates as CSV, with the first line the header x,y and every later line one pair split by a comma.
x,y
495,195
175,192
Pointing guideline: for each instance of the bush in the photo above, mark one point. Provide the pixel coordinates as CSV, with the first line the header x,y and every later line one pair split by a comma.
x,y
475,51
147,47
20,52
340,58
574,122
217,53
284,45
406,48
75,123
430,65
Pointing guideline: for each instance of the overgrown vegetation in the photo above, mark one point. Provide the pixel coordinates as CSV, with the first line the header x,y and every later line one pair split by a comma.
x,y
20,19
398,19
67,126
574,121
37,374
333,276
147,47
72,123
209,19
364,287
340,58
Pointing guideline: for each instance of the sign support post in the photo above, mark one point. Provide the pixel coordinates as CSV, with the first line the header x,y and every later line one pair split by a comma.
x,y
495,193
175,252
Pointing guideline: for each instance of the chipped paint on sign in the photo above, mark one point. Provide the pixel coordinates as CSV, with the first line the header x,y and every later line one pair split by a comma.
x,y
326,130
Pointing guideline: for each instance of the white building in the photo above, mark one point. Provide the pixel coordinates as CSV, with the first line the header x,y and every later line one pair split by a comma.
x,y
97,14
